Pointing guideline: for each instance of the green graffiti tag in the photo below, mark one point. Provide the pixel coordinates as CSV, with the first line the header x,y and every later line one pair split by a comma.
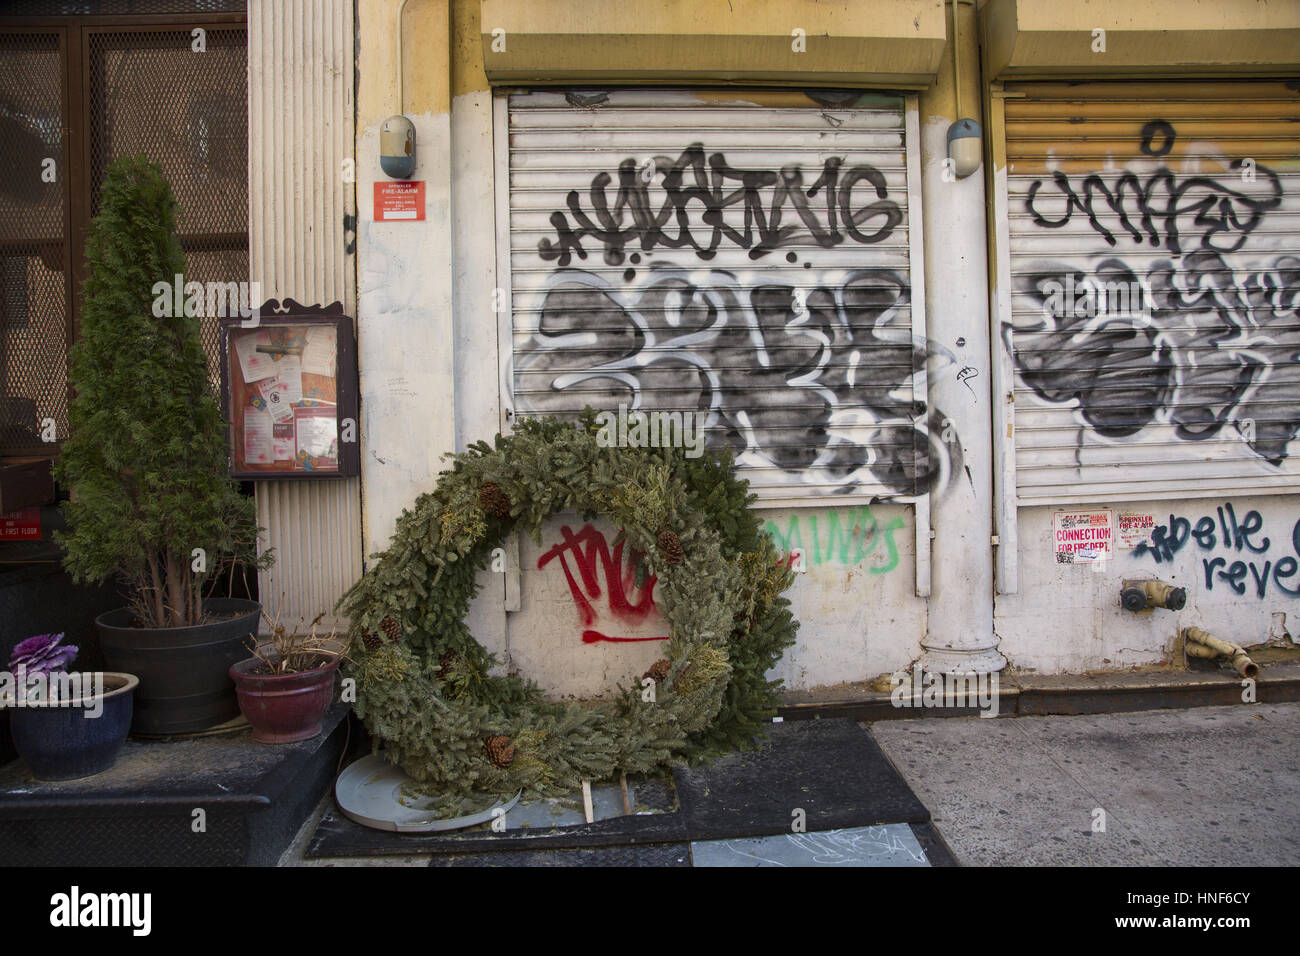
x,y
844,537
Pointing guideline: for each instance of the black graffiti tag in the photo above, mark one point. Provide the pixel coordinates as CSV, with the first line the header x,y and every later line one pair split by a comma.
x,y
698,193
1215,350
1211,346
1149,133
1223,216
774,379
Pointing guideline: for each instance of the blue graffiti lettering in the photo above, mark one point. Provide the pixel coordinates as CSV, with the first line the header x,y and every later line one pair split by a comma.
x,y
1223,531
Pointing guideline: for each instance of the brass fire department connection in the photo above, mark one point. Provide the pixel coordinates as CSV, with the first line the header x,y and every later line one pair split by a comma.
x,y
1140,595
1200,643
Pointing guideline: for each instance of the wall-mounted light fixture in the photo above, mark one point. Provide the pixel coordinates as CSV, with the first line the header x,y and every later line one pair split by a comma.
x,y
397,147
397,134
965,145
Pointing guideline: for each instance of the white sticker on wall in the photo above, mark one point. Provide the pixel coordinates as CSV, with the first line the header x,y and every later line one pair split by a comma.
x,y
1133,528
1083,537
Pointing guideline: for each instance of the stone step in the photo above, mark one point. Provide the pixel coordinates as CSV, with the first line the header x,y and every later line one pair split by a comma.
x,y
212,800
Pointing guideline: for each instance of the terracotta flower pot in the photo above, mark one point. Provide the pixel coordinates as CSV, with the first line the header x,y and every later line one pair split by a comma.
x,y
284,707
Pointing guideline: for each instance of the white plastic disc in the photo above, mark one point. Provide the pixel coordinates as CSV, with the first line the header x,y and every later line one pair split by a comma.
x,y
376,794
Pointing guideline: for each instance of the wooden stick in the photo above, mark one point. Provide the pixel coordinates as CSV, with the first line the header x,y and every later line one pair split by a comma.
x,y
627,800
586,801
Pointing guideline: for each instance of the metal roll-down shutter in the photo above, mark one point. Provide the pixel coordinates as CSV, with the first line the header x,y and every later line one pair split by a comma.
x,y
1154,276
745,256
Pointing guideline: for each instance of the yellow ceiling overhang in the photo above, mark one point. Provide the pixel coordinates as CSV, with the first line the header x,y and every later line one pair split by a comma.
x,y
1192,38
886,43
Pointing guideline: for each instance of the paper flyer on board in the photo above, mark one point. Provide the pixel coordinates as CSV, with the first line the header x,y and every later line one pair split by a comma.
x,y
317,433
276,395
257,437
254,365
282,441
318,356
288,373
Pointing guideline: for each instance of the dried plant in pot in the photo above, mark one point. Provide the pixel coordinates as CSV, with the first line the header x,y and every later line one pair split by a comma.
x,y
64,724
151,504
287,686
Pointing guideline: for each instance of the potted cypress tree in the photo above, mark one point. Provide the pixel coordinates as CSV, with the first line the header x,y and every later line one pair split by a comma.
x,y
151,504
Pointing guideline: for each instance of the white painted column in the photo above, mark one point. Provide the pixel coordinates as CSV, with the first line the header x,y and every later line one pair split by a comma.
x,y
300,132
406,332
474,260
959,634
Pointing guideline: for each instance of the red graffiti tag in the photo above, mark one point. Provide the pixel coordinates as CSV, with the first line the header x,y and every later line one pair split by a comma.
x,y
590,553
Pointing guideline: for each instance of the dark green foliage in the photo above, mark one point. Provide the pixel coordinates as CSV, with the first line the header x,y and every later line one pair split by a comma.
x,y
756,644
729,623
146,461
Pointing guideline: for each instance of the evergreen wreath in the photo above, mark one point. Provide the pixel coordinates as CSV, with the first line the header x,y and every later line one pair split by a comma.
x,y
461,733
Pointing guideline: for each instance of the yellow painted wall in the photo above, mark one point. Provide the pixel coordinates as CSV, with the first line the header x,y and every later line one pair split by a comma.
x,y
467,74
426,58
1045,38
884,43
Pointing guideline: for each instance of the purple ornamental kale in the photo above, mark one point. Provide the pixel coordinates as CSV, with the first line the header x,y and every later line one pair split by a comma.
x,y
42,655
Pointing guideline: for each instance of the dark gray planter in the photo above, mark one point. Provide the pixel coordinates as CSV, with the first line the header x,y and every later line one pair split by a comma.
x,y
184,674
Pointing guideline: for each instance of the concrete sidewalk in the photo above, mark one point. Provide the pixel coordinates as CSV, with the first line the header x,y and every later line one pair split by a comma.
x,y
1205,786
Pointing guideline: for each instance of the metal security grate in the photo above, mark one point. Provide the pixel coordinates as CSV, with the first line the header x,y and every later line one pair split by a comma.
x,y
107,90
187,111
33,285
1155,279
745,259
102,8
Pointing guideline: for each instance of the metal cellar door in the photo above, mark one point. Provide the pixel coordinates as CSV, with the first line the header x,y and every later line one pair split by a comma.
x,y
1154,277
743,256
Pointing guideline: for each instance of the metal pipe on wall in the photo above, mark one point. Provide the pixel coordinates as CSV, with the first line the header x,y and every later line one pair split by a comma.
x,y
1201,643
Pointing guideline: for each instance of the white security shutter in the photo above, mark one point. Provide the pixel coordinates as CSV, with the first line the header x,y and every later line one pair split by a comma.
x,y
1155,275
743,255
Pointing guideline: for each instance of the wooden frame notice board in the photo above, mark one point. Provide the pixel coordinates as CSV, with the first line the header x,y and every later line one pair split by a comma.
x,y
289,393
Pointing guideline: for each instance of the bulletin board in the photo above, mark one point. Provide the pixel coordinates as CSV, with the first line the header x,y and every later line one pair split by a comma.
x,y
289,392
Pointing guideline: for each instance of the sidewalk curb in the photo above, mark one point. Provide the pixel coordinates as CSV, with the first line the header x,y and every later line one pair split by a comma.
x,y
1075,694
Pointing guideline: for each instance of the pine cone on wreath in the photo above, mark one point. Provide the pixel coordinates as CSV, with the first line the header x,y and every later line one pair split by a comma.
x,y
372,640
494,501
500,751
446,660
392,629
658,670
670,547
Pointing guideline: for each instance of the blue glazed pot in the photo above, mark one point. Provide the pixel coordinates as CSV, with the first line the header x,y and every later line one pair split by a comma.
x,y
67,740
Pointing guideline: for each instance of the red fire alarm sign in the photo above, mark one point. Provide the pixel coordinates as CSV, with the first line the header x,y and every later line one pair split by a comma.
x,y
395,202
